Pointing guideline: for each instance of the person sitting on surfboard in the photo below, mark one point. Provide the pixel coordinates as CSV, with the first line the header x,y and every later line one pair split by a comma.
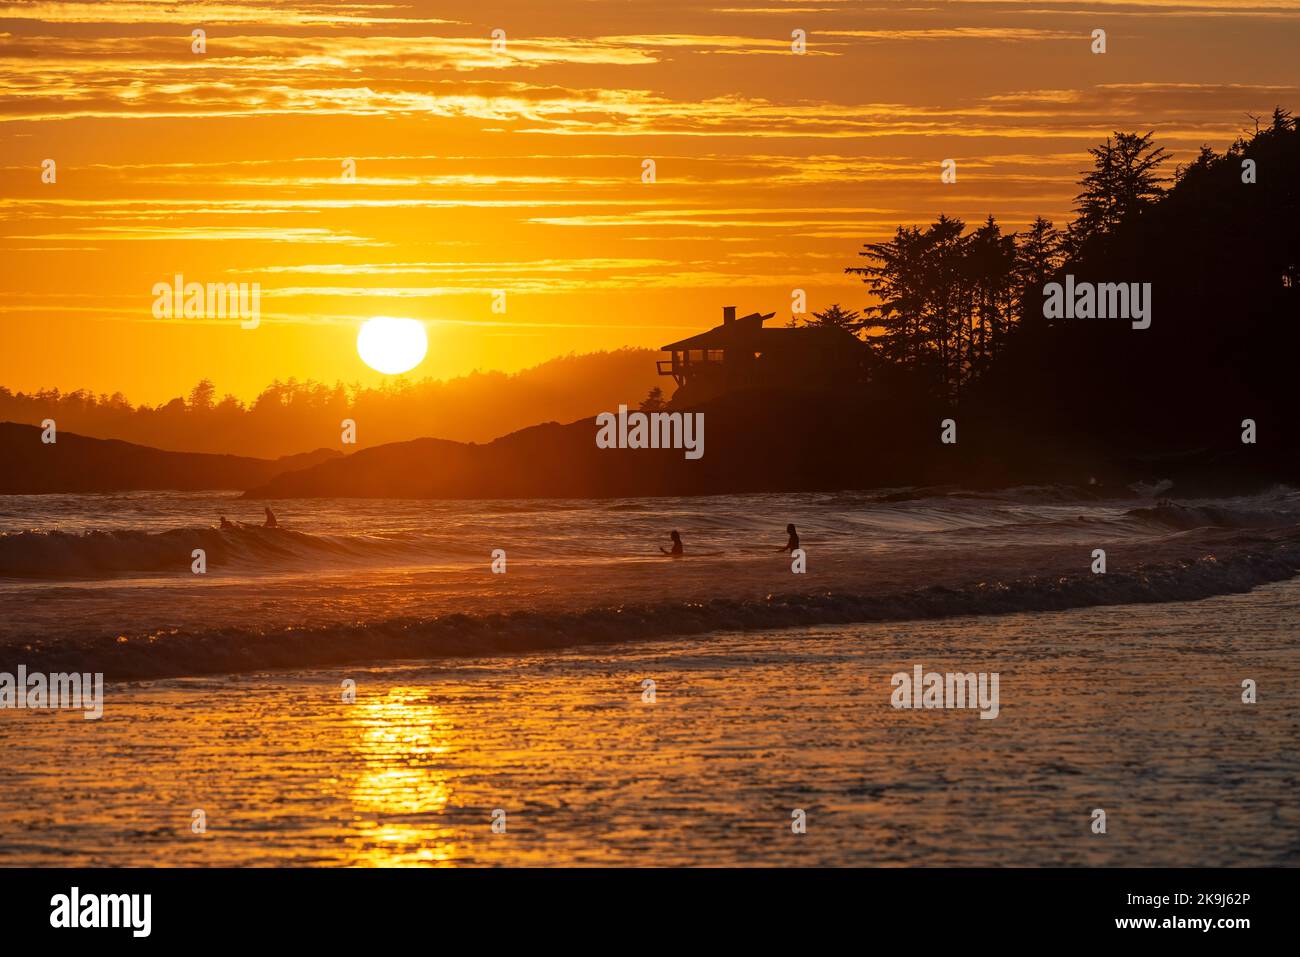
x,y
677,545
227,523
270,520
793,542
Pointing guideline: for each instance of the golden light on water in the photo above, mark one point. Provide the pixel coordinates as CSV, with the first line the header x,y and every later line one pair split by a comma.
x,y
402,790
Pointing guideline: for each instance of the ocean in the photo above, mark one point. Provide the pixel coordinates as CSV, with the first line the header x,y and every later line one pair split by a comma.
x,y
360,688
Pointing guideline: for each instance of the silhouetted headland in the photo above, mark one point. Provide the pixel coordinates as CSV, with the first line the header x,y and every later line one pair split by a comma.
x,y
75,463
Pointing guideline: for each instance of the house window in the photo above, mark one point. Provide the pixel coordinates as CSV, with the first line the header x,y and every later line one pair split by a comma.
x,y
713,355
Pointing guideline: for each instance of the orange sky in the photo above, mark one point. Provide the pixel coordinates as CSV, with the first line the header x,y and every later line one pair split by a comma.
x,y
522,171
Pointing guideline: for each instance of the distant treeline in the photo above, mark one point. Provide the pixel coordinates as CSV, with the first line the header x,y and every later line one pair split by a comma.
x,y
293,417
958,315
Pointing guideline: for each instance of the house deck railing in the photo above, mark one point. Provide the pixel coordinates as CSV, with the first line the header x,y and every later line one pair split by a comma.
x,y
682,364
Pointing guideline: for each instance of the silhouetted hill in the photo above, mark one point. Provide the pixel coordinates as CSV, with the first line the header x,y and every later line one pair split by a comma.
x,y
754,442
76,463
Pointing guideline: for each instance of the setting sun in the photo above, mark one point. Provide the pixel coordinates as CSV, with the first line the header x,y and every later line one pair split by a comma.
x,y
392,345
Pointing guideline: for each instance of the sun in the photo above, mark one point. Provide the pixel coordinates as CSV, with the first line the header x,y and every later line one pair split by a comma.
x,y
391,345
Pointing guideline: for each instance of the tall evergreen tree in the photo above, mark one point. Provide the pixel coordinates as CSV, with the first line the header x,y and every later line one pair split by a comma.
x,y
836,317
991,273
1123,182
1039,255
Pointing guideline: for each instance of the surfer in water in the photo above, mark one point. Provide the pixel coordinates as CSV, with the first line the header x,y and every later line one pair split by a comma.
x,y
227,523
270,520
678,552
793,542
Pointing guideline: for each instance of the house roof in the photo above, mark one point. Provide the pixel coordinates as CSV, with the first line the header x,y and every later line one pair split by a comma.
x,y
747,333
729,335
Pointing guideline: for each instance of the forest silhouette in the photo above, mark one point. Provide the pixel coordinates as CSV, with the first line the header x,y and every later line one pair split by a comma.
x,y
958,325
293,417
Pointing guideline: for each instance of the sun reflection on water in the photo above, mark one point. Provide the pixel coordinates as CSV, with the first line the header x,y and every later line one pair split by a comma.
x,y
404,786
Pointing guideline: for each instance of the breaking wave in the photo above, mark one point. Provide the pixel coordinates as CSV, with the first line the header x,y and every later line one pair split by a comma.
x,y
245,649
623,529
99,554
1184,517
